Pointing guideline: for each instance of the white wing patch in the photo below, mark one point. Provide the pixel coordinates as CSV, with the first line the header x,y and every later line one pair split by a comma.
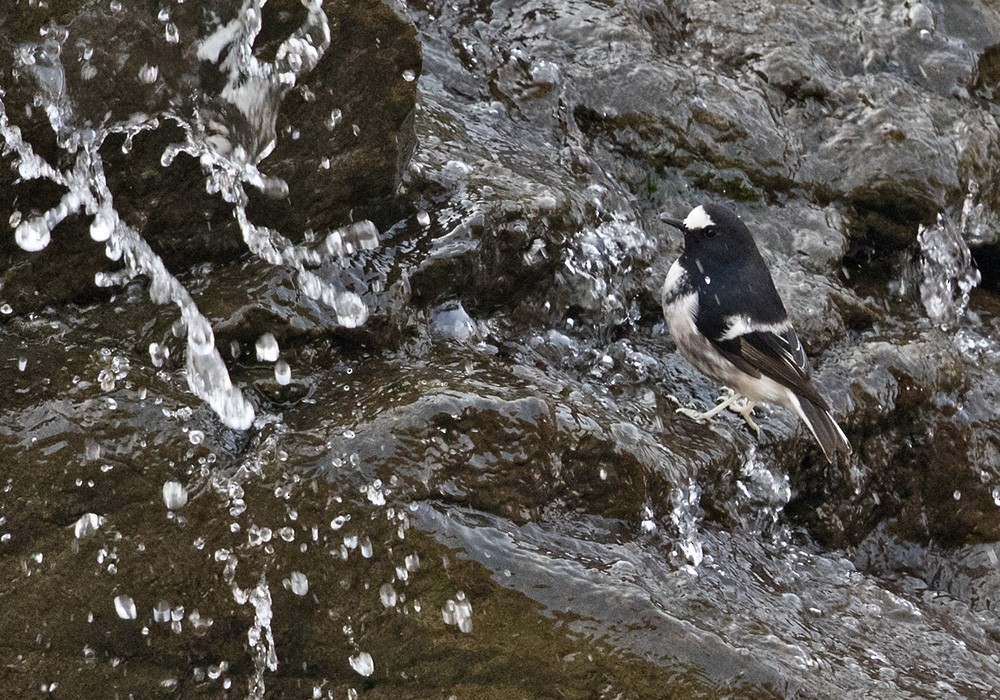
x,y
741,325
698,219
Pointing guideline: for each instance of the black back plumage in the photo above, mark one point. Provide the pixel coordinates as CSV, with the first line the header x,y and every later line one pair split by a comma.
x,y
732,280
729,273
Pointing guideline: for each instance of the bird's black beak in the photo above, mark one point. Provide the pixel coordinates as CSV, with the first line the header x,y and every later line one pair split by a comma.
x,y
673,222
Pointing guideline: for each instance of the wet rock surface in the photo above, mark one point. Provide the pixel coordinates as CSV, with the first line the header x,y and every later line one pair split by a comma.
x,y
489,474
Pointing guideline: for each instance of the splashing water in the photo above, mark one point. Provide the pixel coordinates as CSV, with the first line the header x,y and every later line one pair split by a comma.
x,y
260,636
229,133
595,254
685,516
458,612
949,273
761,493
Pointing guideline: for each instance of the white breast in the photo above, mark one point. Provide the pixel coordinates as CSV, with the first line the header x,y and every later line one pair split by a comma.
x,y
680,309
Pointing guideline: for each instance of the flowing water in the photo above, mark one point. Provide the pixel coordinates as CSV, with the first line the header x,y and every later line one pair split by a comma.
x,y
306,426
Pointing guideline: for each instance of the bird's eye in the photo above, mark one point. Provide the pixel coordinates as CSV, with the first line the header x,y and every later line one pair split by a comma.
x,y
709,231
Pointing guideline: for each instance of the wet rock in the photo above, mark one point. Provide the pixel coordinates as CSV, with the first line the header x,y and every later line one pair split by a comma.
x,y
853,131
919,423
502,440
345,148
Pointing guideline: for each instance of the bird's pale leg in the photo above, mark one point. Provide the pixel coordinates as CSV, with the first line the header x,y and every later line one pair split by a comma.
x,y
708,415
745,410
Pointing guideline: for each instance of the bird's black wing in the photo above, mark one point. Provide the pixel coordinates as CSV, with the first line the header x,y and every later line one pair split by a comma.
x,y
775,353
741,313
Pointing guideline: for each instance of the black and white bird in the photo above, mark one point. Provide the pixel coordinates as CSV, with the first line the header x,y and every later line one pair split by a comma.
x,y
727,319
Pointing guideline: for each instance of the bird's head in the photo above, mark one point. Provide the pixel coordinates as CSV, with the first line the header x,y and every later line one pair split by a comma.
x,y
713,227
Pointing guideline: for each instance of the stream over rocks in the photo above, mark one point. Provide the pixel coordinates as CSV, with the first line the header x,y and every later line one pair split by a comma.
x,y
334,364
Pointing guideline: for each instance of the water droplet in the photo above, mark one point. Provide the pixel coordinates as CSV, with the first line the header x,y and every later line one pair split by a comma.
x,y
125,607
335,117
171,34
87,524
158,354
201,338
33,235
362,663
161,612
409,76
346,240
175,495
104,224
106,378
259,535
388,595
458,612
267,348
148,74
91,450
376,496
22,363
282,373
423,218
113,250
298,583
196,437
200,624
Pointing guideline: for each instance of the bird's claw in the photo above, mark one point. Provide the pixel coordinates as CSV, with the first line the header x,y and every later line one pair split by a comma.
x,y
727,396
693,414
736,403
745,409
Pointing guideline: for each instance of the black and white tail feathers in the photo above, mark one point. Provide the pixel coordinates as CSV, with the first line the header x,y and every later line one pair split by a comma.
x,y
824,428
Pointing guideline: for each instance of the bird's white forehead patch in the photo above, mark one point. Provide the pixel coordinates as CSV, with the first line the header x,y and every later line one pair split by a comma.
x,y
698,219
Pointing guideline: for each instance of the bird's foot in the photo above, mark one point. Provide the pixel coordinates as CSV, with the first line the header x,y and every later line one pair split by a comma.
x,y
696,415
725,401
745,409
737,403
